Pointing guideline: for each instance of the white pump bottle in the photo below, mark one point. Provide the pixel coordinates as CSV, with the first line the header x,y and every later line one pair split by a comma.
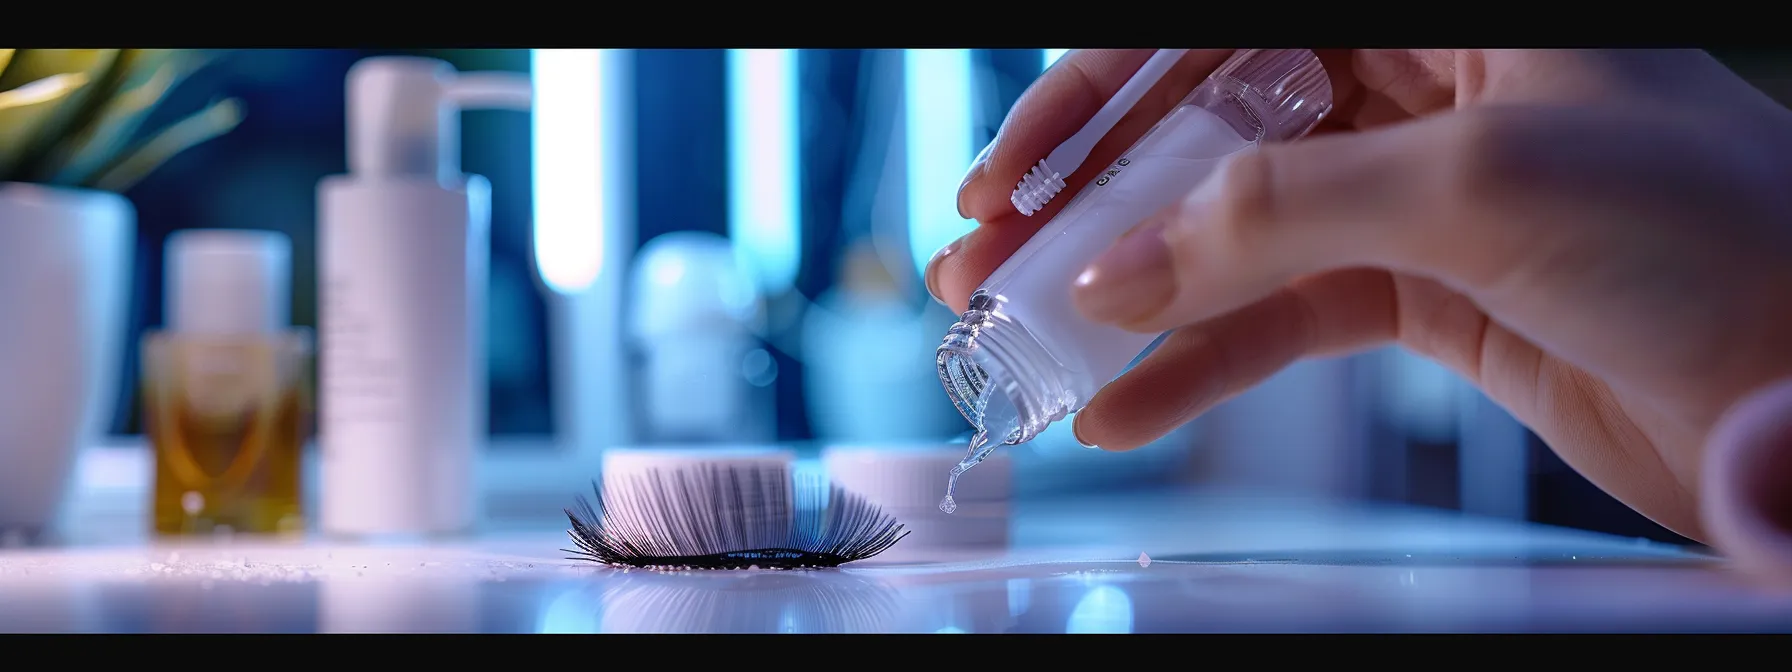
x,y
403,252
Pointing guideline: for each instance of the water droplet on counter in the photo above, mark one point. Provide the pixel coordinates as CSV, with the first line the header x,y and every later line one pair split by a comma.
x,y
1144,560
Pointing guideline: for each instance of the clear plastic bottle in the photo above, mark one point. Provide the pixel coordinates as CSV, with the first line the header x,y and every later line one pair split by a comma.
x,y
1022,358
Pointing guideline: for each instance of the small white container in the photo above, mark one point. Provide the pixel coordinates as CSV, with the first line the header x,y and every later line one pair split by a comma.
x,y
908,481
624,464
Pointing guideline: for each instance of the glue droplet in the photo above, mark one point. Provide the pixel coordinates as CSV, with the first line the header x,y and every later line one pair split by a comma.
x,y
1144,560
979,449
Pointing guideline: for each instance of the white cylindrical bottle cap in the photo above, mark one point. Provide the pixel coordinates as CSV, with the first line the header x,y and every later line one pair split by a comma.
x,y
629,462
908,481
228,281
651,481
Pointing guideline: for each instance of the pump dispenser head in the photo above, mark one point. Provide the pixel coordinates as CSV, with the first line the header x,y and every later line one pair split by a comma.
x,y
404,113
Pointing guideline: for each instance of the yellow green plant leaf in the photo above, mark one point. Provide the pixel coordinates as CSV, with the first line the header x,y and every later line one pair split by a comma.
x,y
23,110
48,89
5,56
217,119
91,147
30,65
104,77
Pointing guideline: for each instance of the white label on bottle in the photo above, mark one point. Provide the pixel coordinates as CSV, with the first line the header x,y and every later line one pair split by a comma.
x,y
360,383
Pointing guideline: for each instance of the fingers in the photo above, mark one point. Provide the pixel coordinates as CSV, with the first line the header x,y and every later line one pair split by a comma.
x,y
1412,197
1054,108
1746,507
959,267
1410,81
1204,364
1064,98
1057,105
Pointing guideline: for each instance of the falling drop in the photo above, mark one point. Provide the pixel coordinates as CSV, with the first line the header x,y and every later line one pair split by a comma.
x,y
979,449
1144,560
948,504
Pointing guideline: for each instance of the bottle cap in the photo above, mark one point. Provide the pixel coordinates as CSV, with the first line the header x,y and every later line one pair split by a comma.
x,y
223,281
1288,89
628,468
625,461
908,482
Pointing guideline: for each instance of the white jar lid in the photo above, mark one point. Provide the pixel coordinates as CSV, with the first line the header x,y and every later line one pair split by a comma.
x,y
914,475
908,482
632,460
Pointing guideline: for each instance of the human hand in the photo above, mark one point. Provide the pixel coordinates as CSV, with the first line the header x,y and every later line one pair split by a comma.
x,y
1600,240
1745,504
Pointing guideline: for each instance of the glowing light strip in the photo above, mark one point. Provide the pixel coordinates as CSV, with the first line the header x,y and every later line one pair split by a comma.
x,y
1052,56
569,146
937,96
764,178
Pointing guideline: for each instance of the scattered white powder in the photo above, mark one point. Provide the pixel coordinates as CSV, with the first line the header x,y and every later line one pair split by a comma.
x,y
209,567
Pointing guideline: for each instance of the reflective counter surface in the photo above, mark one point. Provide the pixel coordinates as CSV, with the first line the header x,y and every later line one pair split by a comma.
x,y
1215,564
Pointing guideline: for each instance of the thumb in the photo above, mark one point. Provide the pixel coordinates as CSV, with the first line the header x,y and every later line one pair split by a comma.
x,y
1747,504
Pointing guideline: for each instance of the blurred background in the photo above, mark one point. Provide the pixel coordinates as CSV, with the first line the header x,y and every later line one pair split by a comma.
x,y
786,201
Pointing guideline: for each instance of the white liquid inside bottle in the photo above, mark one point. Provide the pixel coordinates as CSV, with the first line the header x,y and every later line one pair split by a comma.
x,y
1022,357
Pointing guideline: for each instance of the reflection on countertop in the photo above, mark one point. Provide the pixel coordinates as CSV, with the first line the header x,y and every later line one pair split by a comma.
x,y
1243,564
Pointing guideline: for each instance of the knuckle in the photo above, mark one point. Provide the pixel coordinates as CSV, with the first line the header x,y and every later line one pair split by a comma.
x,y
1237,207
1496,159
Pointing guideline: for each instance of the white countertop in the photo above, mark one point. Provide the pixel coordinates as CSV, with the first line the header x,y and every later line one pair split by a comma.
x,y
1218,563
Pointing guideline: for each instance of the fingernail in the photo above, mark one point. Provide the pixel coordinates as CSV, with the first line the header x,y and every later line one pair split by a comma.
x,y
1076,430
931,275
970,174
1129,281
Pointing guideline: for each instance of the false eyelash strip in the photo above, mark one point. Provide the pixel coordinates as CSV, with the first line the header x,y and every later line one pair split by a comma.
x,y
727,517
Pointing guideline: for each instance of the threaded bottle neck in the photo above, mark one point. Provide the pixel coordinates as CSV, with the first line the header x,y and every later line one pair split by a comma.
x,y
998,376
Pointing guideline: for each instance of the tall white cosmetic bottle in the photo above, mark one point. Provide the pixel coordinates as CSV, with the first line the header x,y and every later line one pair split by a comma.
x,y
403,248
